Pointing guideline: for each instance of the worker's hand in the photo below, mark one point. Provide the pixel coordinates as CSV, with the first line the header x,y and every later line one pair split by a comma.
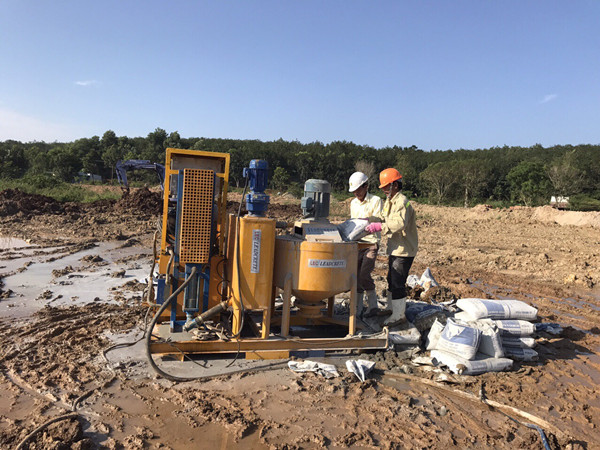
x,y
374,227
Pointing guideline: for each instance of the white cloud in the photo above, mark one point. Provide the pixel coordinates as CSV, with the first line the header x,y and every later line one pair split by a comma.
x,y
548,98
86,83
17,126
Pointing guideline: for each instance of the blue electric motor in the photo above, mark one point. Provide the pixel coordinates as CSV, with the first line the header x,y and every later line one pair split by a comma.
x,y
257,201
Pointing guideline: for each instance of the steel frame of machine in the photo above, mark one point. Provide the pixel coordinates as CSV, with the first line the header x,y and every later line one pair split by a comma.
x,y
204,237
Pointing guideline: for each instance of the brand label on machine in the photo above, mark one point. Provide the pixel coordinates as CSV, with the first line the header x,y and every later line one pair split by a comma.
x,y
255,257
327,263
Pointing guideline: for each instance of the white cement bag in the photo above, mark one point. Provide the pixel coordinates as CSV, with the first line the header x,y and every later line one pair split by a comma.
x,y
521,354
353,229
459,339
479,308
491,340
462,366
405,337
434,335
515,327
464,316
518,341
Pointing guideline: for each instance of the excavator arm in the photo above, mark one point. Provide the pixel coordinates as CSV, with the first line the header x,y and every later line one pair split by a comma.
x,y
123,167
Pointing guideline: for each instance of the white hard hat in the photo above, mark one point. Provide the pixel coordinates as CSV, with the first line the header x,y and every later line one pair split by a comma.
x,y
357,179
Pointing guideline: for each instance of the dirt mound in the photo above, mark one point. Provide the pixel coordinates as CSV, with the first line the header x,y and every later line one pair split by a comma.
x,y
142,200
577,218
13,201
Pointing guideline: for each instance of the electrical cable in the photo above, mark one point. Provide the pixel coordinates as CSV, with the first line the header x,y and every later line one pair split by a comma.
x,y
237,254
71,415
183,354
484,399
239,283
490,403
170,264
131,343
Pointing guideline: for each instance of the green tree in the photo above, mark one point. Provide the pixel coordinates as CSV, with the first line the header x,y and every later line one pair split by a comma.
x,y
529,183
173,140
565,176
155,146
38,160
280,179
109,138
64,163
410,162
14,162
471,176
438,179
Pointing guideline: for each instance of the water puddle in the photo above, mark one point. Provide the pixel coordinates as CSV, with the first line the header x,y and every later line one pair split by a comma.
x,y
11,243
78,287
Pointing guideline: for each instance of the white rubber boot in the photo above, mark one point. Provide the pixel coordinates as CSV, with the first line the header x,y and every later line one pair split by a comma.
x,y
372,304
398,306
359,303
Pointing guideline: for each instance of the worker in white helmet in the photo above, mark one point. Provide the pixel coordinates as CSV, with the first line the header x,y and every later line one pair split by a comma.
x,y
365,205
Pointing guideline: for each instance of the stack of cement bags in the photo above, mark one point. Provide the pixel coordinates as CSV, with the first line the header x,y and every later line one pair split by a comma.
x,y
512,319
465,349
485,336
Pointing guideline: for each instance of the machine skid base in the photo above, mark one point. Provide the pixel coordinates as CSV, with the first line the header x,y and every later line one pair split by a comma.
x,y
266,345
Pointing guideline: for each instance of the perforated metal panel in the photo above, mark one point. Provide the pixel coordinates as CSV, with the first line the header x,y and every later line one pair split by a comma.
x,y
196,209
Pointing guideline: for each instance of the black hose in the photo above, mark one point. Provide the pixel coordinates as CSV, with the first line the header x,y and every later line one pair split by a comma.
x,y
163,307
175,378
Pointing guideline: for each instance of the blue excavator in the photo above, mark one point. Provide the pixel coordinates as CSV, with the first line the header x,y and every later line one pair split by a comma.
x,y
123,167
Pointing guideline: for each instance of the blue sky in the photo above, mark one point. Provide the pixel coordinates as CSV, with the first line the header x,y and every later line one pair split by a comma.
x,y
435,74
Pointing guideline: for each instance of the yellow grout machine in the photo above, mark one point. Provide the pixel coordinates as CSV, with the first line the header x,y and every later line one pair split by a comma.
x,y
221,275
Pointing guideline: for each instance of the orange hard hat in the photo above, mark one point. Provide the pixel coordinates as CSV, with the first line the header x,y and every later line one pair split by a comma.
x,y
388,176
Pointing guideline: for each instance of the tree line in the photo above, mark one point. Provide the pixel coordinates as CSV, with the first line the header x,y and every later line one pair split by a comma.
x,y
498,175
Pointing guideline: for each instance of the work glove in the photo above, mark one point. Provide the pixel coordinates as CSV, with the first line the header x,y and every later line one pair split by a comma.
x,y
374,227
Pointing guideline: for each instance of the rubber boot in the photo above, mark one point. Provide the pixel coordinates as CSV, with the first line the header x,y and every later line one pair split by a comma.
x,y
386,311
376,310
359,303
398,309
372,304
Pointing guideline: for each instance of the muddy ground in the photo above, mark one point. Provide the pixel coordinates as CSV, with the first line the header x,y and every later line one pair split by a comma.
x,y
52,341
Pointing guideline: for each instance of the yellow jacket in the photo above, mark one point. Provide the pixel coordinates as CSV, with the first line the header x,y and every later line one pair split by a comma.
x,y
399,225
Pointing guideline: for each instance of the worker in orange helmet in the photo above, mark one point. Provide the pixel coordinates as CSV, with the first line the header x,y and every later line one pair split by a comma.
x,y
397,222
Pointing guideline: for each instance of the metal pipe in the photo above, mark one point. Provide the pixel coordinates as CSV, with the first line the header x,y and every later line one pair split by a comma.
x,y
199,320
